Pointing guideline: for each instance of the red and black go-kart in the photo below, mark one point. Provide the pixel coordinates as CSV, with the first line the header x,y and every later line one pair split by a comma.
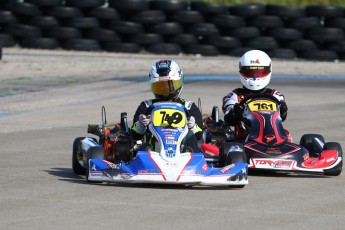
x,y
267,147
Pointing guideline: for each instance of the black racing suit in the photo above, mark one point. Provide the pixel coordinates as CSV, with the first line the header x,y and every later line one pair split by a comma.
x,y
192,136
233,116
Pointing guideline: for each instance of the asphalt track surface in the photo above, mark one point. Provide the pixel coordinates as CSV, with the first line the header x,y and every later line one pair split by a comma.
x,y
40,191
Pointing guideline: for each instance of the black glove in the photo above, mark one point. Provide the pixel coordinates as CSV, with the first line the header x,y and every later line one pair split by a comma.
x,y
238,111
283,110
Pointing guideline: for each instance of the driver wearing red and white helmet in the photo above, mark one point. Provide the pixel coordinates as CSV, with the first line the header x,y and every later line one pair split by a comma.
x,y
166,81
255,70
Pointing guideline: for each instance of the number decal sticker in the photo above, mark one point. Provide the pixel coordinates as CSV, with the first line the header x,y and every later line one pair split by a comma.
x,y
163,117
262,106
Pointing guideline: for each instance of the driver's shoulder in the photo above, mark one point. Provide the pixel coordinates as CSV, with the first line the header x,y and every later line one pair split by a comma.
x,y
187,104
277,94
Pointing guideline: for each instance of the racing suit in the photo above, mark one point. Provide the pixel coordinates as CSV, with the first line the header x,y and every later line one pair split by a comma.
x,y
194,134
233,114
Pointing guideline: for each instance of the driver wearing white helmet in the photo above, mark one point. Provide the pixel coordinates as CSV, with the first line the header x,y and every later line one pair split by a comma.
x,y
255,70
166,81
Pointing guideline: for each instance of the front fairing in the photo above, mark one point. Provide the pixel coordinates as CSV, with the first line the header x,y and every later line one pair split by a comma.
x,y
265,125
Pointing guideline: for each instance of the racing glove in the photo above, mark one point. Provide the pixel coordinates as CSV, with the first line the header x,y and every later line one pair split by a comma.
x,y
142,124
191,122
237,111
283,110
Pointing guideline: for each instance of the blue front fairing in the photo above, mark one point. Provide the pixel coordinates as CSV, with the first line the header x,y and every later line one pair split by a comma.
x,y
144,164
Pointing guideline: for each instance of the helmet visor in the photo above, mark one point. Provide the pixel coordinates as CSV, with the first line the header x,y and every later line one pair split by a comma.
x,y
166,87
255,71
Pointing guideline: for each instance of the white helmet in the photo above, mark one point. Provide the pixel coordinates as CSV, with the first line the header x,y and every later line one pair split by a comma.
x,y
255,70
166,80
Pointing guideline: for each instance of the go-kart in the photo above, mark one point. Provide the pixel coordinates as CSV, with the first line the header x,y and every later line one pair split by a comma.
x,y
268,147
166,163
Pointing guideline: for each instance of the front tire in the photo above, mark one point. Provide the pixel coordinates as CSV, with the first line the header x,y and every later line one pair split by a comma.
x,y
334,146
310,142
232,152
78,169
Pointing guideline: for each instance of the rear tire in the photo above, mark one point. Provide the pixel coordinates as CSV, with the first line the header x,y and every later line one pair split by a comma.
x,y
94,152
334,146
310,143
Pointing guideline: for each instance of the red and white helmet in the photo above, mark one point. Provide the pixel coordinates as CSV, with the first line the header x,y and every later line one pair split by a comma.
x,y
255,70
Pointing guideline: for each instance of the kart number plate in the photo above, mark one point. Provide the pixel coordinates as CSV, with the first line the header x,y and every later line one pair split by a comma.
x,y
161,117
262,106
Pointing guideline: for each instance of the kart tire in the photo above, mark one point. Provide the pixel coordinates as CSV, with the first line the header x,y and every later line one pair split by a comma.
x,y
283,53
129,5
266,21
302,23
7,40
238,52
188,17
148,17
126,27
249,32
164,48
40,43
122,47
64,33
103,13
309,142
247,10
78,169
183,39
265,43
65,12
81,44
166,28
169,5
320,55
225,42
302,45
334,146
83,22
94,152
22,30
7,17
207,8
286,34
45,3
203,29
324,34
23,8
324,11
285,12
44,22
102,35
84,3
201,49
227,157
226,21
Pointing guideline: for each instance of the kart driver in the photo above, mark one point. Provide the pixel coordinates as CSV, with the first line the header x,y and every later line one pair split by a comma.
x,y
255,70
166,81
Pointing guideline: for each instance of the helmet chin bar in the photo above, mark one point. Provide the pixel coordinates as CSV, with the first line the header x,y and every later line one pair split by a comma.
x,y
255,84
171,97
